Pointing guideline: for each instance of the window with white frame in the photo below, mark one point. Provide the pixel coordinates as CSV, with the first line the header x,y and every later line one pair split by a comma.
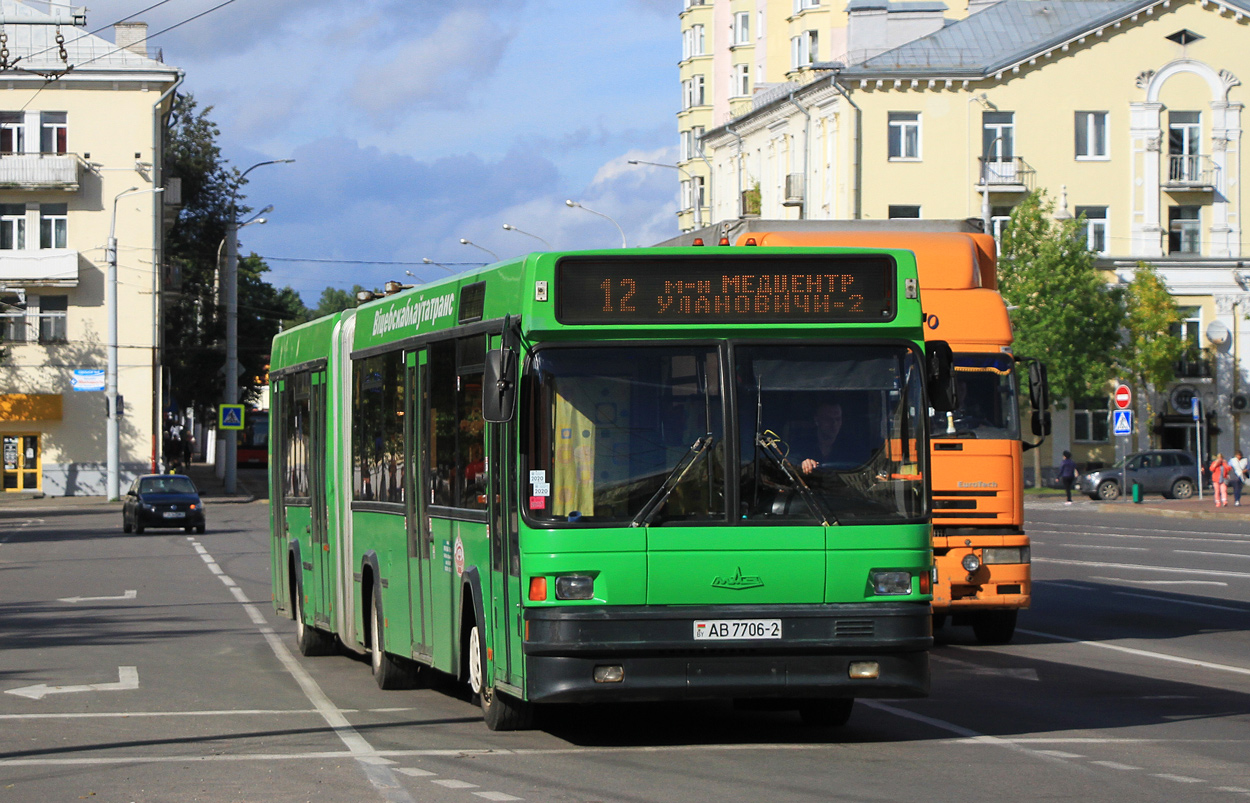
x,y
53,225
804,49
803,5
904,135
1090,420
742,28
693,92
690,145
1184,230
53,132
12,227
12,132
742,80
1095,227
12,318
1091,135
692,42
1000,216
52,319
693,192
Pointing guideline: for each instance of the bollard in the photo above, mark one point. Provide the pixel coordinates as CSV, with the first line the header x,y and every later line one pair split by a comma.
x,y
1137,493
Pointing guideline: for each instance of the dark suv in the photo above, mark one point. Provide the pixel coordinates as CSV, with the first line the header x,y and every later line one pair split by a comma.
x,y
1170,472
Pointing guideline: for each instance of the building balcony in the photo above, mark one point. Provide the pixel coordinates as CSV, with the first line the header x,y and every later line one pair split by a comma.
x,y
794,190
40,171
1191,172
50,267
1006,175
1194,366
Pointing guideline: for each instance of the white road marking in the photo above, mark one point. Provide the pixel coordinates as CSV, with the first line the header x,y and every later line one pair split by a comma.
x,y
1237,789
1064,585
1080,529
414,772
1178,778
1239,670
1217,583
1107,546
978,669
1213,554
497,796
128,595
1115,765
243,712
1141,567
1060,754
127,680
969,736
1181,602
452,783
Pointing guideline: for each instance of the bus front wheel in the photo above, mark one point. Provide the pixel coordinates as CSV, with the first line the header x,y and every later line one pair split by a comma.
x,y
501,711
310,640
388,671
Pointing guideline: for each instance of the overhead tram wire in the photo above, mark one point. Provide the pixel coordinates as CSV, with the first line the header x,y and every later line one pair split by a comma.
x,y
96,31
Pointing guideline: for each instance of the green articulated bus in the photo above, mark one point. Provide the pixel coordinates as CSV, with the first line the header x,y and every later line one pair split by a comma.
x,y
652,474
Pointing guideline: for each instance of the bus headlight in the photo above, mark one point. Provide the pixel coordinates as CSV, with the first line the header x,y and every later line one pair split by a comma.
x,y
1005,554
575,586
970,562
890,583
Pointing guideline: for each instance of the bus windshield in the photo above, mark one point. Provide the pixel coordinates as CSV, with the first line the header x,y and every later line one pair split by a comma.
x,y
987,400
637,435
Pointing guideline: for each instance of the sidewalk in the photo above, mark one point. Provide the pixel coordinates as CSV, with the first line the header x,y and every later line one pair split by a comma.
x,y
1152,504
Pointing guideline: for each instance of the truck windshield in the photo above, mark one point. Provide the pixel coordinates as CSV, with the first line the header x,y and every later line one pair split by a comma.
x,y
626,434
988,406
848,421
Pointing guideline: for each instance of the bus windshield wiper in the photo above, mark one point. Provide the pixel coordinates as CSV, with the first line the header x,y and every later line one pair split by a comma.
x,y
767,442
688,461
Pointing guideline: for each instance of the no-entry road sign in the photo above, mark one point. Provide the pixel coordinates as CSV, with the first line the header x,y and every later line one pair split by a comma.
x,y
1123,397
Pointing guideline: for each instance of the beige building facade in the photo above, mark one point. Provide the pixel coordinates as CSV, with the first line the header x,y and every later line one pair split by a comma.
x,y
1130,113
81,127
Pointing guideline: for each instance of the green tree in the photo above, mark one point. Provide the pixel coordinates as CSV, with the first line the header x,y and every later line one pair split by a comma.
x,y
1150,350
334,300
1066,315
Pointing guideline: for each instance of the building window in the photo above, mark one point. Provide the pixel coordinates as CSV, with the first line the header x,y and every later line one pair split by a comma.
x,y
53,134
691,147
803,5
1184,230
904,212
12,132
1184,146
1090,420
1095,227
1000,216
692,42
12,227
1091,135
53,225
804,49
742,28
904,135
52,311
693,91
12,318
692,193
742,80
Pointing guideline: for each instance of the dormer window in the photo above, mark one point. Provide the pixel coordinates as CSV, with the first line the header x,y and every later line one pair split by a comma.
x,y
1184,36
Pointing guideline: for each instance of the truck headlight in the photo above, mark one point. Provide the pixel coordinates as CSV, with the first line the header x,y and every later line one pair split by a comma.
x,y
886,584
1005,554
970,562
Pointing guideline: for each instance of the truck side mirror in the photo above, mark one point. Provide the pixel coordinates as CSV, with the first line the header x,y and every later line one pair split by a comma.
x,y
942,388
499,386
1039,398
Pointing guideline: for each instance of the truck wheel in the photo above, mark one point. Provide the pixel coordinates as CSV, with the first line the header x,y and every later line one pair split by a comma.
x,y
826,712
1108,490
310,640
501,711
388,670
994,627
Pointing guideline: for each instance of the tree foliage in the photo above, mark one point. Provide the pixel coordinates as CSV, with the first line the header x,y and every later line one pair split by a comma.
x,y
334,300
194,319
1150,350
1065,313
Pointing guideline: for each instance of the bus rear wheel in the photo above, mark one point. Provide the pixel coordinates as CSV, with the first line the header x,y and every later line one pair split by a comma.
x,y
830,712
501,711
310,640
388,671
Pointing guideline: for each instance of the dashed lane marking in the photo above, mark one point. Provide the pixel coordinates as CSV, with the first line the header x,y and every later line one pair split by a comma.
x,y
1141,567
1183,602
452,783
1115,765
1177,778
497,796
1238,670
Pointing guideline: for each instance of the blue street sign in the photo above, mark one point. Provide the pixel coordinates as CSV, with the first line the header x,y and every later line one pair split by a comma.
x,y
1122,422
230,416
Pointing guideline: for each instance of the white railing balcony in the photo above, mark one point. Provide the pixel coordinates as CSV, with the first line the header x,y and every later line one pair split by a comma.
x,y
48,266
40,171
1191,171
1006,175
794,190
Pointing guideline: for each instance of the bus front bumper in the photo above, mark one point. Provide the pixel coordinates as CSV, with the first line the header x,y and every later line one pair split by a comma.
x,y
659,659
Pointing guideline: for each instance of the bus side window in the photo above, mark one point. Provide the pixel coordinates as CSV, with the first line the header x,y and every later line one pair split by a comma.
x,y
442,423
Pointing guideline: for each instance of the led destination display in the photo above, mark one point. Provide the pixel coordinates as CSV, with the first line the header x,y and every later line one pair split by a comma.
x,y
741,289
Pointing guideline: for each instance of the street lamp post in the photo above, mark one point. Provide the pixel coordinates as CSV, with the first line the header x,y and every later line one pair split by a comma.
x,y
463,241
510,227
575,205
429,261
230,299
698,204
112,475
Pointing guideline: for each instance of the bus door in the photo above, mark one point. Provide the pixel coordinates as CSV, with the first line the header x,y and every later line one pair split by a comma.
x,y
417,457
278,577
505,560
321,556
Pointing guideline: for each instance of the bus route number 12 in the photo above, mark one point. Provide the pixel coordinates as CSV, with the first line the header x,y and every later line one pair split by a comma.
x,y
628,288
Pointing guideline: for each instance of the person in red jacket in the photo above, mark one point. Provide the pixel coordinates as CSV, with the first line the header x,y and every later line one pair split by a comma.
x,y
1220,471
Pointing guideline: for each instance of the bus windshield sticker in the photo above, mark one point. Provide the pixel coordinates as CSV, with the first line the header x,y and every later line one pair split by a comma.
x,y
742,289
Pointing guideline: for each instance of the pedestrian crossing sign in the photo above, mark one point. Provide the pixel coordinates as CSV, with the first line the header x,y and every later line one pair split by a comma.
x,y
1122,422
230,416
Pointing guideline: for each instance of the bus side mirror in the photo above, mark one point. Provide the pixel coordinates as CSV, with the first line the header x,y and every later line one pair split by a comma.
x,y
942,389
499,386
1039,398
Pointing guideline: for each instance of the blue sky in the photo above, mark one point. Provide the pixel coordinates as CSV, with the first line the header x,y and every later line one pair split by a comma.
x,y
415,123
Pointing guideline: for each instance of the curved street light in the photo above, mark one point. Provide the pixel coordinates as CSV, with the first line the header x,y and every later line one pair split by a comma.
x,y
575,205
698,205
510,227
429,261
463,241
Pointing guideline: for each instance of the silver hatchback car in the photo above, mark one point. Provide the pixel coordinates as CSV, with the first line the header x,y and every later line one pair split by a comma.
x,y
1170,472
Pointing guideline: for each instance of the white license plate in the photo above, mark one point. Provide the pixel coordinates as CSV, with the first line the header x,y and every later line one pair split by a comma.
x,y
175,514
715,629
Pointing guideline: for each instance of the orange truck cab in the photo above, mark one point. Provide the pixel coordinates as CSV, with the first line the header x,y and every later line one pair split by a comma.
x,y
979,544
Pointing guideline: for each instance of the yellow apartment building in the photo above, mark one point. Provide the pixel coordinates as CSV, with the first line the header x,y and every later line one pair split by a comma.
x,y
81,127
1128,112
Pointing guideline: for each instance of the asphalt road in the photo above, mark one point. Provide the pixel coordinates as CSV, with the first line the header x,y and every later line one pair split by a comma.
x,y
152,668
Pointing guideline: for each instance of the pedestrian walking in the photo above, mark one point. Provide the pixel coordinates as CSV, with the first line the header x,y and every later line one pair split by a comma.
x,y
1238,468
1221,478
1067,474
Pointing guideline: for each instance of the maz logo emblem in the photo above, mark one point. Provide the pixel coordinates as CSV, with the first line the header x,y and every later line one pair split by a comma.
x,y
738,582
